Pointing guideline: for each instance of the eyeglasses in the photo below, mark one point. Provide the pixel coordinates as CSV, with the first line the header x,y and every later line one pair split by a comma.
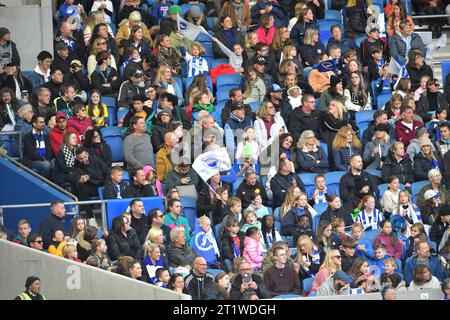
x,y
339,257
311,101
436,84
38,241
312,137
160,216
100,43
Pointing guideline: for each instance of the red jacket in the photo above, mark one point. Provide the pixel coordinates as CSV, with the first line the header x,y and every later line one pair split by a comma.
x,y
57,137
79,126
404,134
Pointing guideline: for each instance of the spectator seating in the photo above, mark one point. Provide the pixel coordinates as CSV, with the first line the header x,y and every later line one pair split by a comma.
x,y
114,139
332,179
121,113
415,188
222,96
320,208
189,205
363,118
325,148
307,284
27,73
324,36
228,81
190,79
359,40
308,180
101,193
332,15
384,186
187,6
382,99
445,70
218,62
110,103
370,235
374,172
255,106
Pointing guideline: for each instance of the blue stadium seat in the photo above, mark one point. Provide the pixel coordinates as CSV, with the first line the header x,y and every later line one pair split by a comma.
x,y
287,296
333,15
212,22
218,62
308,178
179,82
332,180
209,53
364,117
374,172
125,176
191,215
219,107
236,184
325,25
101,193
359,40
382,99
228,79
121,113
203,38
222,96
214,272
307,71
324,36
112,115
217,231
307,284
370,235
109,101
384,186
190,79
362,127
113,137
320,208
185,7
415,188
433,245
316,221
255,106
445,70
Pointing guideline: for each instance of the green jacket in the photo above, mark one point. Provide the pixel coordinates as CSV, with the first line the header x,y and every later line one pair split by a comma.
x,y
181,221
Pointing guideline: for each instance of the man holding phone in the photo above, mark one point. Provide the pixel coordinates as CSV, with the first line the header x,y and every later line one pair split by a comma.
x,y
246,281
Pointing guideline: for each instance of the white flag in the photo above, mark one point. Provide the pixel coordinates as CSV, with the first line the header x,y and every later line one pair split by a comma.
x,y
209,163
188,29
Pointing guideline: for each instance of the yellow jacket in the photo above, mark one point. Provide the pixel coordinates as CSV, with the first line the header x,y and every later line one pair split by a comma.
x,y
57,251
163,163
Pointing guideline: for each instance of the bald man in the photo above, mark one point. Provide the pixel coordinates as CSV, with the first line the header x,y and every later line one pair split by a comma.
x,y
199,281
163,160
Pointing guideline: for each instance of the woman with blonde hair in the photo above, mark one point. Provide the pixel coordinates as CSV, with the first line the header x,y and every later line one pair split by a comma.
x,y
287,67
310,155
280,41
331,264
250,42
290,53
125,26
311,47
291,193
153,259
305,21
334,119
164,79
267,117
297,9
307,257
408,210
98,45
345,145
377,149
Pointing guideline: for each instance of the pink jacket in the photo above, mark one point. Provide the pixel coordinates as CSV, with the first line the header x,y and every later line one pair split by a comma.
x,y
266,38
320,278
394,251
79,126
252,252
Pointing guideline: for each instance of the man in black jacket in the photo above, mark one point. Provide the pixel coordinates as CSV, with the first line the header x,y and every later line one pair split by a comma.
x,y
236,98
138,217
54,222
139,187
246,280
441,224
88,175
304,118
37,149
282,181
199,280
347,185
155,219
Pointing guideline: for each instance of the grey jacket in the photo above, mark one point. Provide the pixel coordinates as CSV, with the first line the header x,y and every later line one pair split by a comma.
x,y
398,47
327,289
373,162
414,148
138,151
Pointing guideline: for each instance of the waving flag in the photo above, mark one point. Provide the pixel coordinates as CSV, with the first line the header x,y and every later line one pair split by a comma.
x,y
396,66
188,29
209,163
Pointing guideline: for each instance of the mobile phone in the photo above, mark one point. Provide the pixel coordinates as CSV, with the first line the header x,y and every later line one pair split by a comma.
x,y
247,278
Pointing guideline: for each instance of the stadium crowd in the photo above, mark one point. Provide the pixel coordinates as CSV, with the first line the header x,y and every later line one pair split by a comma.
x,y
341,171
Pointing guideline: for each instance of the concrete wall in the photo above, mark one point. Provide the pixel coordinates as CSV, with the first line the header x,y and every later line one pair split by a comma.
x,y
65,280
31,28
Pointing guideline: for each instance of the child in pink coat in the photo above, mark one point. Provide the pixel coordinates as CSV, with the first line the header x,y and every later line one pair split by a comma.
x,y
252,250
393,245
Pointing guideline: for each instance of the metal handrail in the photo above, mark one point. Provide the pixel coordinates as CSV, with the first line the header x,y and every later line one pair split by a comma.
x,y
36,175
68,203
431,16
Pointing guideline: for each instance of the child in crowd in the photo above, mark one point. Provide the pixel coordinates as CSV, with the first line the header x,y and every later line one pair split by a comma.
x,y
416,233
163,276
389,239
407,209
196,64
99,251
69,251
336,56
231,243
248,148
389,269
380,256
96,110
338,226
348,254
78,224
234,211
115,186
133,56
348,56
433,126
305,228
251,220
254,87
422,88
389,201
363,246
236,57
269,235
57,244
252,250
257,206
369,216
376,63
23,231
320,192
361,277
385,82
204,242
